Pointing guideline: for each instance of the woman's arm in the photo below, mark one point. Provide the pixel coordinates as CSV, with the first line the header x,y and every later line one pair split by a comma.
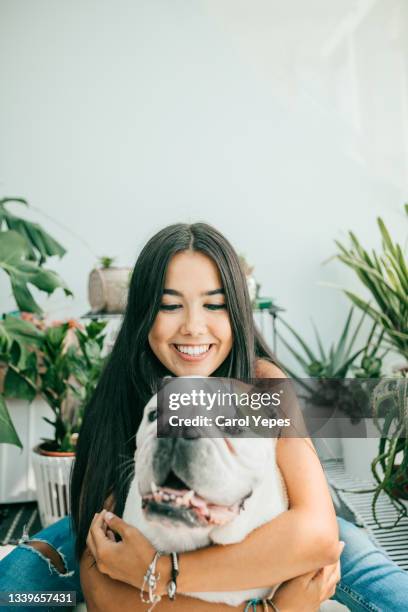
x,y
300,540
102,594
304,593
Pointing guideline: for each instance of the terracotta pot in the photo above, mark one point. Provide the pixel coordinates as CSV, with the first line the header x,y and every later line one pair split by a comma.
x,y
55,453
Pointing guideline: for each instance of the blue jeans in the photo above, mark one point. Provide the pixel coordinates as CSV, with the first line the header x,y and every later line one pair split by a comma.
x,y
370,580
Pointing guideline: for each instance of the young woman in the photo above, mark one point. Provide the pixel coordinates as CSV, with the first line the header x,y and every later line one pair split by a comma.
x,y
188,289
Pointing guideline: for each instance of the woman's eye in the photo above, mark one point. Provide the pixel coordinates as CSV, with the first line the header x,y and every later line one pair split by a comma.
x,y
169,306
177,306
215,306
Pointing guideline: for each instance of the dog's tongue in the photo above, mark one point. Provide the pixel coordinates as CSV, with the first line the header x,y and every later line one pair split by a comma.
x,y
213,513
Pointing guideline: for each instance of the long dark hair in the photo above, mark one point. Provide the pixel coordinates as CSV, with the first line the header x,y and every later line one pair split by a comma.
x,y
133,373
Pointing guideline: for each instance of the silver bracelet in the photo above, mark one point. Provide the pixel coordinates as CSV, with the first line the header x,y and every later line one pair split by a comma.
x,y
270,602
150,579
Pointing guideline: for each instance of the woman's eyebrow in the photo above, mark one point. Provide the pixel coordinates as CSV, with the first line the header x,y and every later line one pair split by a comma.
x,y
212,292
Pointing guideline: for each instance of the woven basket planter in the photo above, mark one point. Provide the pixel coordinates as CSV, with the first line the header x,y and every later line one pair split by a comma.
x,y
52,477
107,289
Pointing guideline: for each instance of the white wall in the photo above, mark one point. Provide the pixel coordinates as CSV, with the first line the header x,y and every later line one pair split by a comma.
x,y
283,123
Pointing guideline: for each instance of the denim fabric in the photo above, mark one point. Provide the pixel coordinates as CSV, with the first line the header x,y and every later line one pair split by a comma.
x,y
370,580
25,568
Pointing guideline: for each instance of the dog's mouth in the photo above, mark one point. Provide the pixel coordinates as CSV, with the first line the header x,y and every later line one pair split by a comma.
x,y
175,501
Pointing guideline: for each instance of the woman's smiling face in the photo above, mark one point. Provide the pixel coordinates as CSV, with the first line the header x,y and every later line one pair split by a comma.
x,y
192,333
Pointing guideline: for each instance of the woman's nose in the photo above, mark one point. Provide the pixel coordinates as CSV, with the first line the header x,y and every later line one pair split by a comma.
x,y
194,322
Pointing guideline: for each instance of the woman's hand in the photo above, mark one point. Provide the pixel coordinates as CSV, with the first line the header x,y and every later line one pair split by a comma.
x,y
126,560
306,593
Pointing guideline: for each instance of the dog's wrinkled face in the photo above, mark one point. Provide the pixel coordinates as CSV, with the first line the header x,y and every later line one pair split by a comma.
x,y
196,482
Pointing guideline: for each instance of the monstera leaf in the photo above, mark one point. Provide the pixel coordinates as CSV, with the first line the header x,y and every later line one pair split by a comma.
x,y
8,434
22,272
40,245
15,336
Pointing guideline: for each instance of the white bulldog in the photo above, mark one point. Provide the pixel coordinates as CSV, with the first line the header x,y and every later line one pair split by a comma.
x,y
190,493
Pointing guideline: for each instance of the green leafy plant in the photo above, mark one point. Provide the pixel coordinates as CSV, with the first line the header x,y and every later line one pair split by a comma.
x,y
385,276
24,248
333,363
371,362
61,363
333,370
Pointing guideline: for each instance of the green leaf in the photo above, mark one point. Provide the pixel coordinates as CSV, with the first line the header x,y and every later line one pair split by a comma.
x,y
55,335
319,342
16,335
8,434
22,330
16,386
304,364
303,344
39,243
13,260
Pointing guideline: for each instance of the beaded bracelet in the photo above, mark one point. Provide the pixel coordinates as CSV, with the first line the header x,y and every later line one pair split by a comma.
x,y
172,585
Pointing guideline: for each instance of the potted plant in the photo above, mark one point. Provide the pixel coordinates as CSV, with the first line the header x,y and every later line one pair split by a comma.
x,y
24,249
62,367
385,276
390,466
324,373
107,287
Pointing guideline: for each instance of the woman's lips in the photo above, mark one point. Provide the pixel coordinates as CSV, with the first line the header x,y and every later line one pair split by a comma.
x,y
187,357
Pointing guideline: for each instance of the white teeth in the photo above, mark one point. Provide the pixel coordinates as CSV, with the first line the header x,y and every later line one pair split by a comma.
x,y
193,350
187,497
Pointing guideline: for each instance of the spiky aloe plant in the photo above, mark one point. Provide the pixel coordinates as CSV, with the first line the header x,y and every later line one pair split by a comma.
x,y
334,363
331,367
390,466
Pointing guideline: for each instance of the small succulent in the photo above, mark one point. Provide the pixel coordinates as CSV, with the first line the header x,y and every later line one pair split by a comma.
x,y
105,261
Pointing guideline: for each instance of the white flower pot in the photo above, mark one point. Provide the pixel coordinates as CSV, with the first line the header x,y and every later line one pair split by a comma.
x,y
358,452
17,483
325,432
52,476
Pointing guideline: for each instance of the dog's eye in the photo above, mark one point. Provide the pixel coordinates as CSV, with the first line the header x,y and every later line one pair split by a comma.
x,y
152,416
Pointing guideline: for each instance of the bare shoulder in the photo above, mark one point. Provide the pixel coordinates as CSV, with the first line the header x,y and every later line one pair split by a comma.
x,y
266,369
